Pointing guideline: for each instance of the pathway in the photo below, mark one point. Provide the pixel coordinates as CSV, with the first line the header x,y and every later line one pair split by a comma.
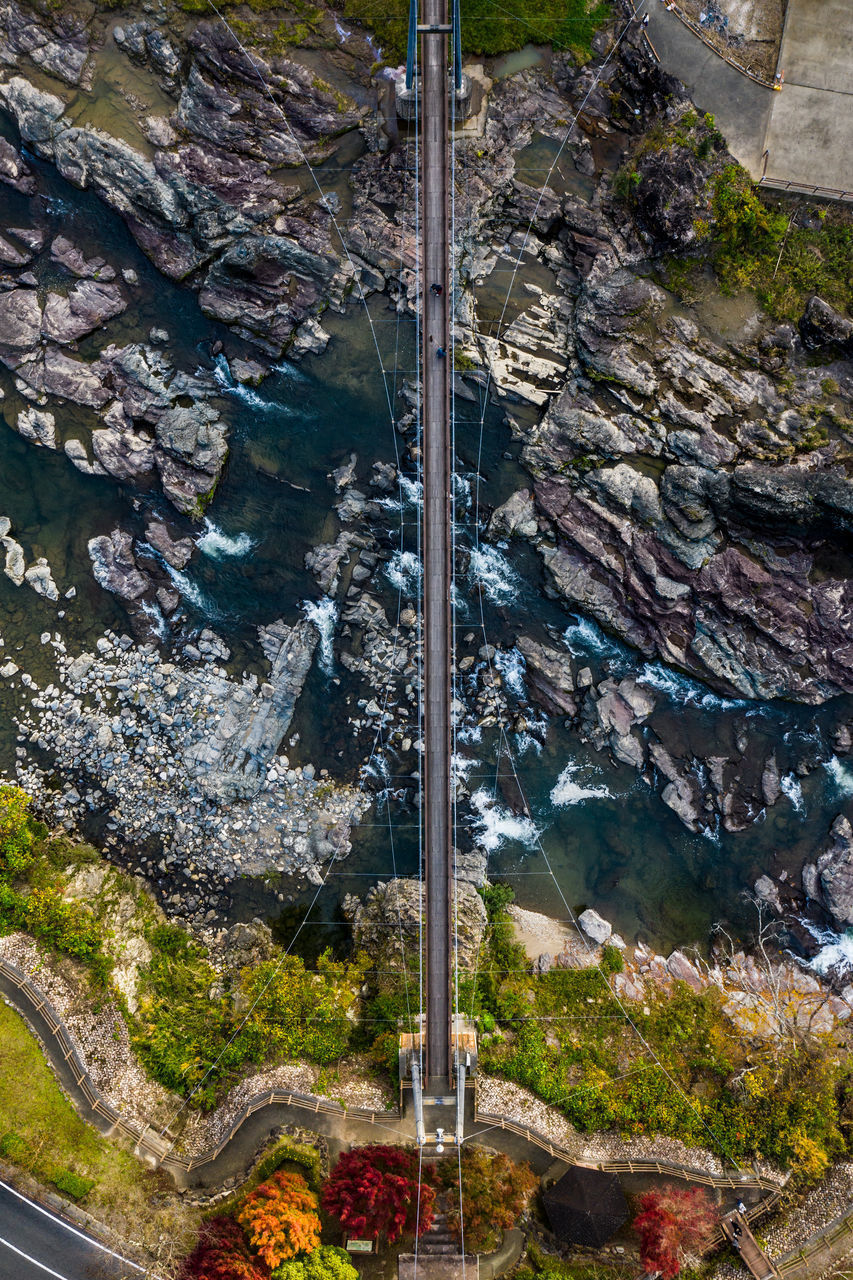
x,y
806,128
737,1232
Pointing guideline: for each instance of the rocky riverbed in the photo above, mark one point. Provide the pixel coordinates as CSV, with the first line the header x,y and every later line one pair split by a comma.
x,y
687,481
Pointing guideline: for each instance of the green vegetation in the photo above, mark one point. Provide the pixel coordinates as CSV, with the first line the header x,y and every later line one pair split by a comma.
x,y
194,1041
565,1036
539,1263
754,243
191,1030
489,29
41,1133
30,896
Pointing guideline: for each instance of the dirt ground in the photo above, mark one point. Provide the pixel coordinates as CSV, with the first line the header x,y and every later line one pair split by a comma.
x,y
749,31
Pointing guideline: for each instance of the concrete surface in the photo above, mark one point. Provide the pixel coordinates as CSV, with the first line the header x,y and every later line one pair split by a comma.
x,y
807,128
809,138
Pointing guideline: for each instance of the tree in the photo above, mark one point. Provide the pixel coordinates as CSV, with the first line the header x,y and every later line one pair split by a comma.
x,y
376,1190
672,1223
326,1263
17,838
494,1192
280,1218
222,1254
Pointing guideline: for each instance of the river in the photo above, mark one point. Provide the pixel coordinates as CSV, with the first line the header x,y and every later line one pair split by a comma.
x,y
610,840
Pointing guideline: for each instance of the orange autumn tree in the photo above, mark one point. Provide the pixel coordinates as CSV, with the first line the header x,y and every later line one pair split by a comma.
x,y
280,1218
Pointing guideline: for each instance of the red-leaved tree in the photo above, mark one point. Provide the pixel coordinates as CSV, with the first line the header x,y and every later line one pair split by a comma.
x,y
376,1191
671,1223
222,1254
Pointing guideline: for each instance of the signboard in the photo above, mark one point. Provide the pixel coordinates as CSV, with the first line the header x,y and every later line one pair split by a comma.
x,y
359,1246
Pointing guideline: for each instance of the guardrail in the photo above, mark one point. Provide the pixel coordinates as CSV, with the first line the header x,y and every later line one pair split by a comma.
x,y
803,189
661,1167
830,1235
154,1146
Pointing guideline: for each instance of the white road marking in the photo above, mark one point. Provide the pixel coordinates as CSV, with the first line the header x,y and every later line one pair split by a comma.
x,y
67,1226
35,1262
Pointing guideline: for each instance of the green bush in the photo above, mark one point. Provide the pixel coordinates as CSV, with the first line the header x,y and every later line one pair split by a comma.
x,y
17,831
488,31
755,245
611,959
14,1148
325,1263
301,1153
71,1184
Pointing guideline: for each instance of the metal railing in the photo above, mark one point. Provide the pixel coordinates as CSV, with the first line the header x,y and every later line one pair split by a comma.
x,y
661,1167
147,1141
804,189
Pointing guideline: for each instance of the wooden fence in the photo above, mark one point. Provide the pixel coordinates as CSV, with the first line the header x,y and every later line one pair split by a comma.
x,y
156,1147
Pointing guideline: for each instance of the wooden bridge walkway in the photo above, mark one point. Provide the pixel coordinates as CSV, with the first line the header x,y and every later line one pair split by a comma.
x,y
736,1230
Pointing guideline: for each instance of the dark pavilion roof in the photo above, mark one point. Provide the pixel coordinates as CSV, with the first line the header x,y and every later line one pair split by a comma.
x,y
585,1206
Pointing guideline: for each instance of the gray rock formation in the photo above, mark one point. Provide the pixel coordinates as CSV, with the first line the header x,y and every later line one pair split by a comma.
x,y
830,881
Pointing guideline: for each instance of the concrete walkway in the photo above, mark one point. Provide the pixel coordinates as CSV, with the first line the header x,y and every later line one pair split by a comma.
x,y
810,135
806,128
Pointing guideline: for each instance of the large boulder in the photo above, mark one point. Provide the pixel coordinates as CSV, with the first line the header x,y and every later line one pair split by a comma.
x,y
831,880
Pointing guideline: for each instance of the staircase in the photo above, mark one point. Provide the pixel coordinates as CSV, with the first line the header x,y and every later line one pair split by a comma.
x,y
438,1256
438,1241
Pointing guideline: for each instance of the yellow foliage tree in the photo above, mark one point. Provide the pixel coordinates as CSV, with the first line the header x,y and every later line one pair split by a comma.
x,y
280,1218
16,834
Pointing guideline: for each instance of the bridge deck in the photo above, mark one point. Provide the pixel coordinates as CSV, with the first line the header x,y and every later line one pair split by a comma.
x,y
436,535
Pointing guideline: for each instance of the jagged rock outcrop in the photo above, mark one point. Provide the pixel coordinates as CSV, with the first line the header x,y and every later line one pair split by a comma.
x,y
387,923
830,880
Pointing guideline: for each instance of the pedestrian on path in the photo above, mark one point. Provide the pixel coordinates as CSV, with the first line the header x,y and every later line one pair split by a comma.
x,y
645,21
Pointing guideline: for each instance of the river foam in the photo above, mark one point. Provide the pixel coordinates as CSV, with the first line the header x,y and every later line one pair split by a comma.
x,y
403,571
324,614
566,791
224,377
495,824
836,950
494,573
219,545
841,775
791,787
684,690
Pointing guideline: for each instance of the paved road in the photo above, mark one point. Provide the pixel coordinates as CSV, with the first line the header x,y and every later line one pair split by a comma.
x,y
806,129
436,536
811,126
741,107
35,1245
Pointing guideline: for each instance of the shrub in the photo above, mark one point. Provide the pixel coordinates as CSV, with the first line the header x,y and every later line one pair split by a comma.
x,y
222,1254
17,837
380,1191
71,1184
298,1013
494,1193
301,1153
280,1218
671,1223
326,1263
